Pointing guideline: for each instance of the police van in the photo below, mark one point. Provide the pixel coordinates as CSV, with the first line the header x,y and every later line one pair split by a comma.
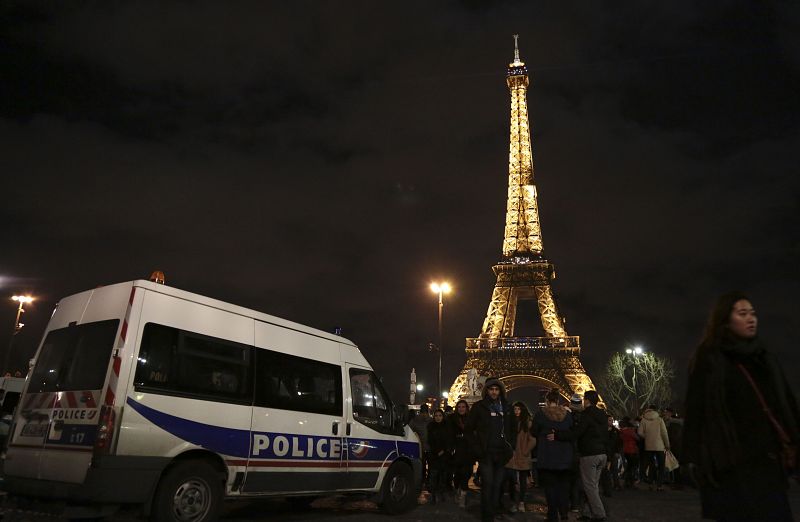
x,y
145,394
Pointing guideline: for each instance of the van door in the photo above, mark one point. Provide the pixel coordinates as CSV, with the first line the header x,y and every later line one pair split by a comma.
x,y
60,409
371,444
57,417
298,416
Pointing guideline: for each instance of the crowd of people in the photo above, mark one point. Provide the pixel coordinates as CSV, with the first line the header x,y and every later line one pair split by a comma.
x,y
580,455
576,452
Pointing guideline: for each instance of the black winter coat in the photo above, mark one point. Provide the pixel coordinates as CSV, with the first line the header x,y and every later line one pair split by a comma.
x,y
590,433
613,442
748,476
479,425
439,439
462,453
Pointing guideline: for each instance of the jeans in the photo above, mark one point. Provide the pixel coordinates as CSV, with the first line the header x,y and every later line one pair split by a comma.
x,y
656,460
610,478
591,469
492,473
556,483
517,476
438,474
631,468
462,471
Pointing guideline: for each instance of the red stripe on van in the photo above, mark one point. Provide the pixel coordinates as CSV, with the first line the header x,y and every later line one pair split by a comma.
x,y
124,331
287,464
109,397
117,364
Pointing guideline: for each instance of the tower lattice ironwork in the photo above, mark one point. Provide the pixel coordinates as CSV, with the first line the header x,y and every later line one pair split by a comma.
x,y
523,273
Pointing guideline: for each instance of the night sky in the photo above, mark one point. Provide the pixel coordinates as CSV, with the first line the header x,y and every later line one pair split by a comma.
x,y
324,162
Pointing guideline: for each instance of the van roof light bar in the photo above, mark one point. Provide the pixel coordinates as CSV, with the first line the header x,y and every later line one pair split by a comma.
x,y
158,277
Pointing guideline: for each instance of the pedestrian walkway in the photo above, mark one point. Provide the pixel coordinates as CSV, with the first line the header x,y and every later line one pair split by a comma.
x,y
638,505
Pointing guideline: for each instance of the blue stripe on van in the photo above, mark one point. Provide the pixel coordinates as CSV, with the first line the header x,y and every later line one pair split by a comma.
x,y
227,441
282,446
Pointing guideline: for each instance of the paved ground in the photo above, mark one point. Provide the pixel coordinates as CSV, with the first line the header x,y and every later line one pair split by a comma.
x,y
627,506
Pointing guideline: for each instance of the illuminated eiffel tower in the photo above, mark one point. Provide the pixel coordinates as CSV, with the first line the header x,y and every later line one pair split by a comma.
x,y
523,273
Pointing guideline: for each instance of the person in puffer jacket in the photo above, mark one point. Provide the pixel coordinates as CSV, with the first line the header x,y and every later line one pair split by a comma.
x,y
554,457
656,441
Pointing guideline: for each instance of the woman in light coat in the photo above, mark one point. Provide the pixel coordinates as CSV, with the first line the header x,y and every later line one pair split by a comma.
x,y
656,442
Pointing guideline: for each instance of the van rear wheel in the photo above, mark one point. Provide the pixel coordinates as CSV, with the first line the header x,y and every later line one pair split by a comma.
x,y
190,491
398,492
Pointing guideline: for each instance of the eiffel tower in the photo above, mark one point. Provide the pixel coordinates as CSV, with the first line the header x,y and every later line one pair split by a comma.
x,y
523,273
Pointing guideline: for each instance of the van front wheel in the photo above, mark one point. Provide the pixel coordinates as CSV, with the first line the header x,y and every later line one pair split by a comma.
x,y
398,492
190,491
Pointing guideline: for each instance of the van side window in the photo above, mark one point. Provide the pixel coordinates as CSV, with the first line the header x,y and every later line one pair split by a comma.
x,y
177,362
371,404
288,382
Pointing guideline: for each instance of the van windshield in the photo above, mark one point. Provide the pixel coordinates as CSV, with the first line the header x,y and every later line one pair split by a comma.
x,y
74,358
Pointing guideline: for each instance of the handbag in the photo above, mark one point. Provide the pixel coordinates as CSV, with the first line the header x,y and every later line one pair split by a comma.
x,y
788,448
670,461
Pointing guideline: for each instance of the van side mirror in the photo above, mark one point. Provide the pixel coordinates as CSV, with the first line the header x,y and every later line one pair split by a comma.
x,y
399,414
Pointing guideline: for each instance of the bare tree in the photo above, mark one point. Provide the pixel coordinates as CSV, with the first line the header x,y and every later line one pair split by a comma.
x,y
631,382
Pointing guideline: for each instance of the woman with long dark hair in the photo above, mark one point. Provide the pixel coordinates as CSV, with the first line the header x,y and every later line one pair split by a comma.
x,y
520,464
741,419
440,442
463,459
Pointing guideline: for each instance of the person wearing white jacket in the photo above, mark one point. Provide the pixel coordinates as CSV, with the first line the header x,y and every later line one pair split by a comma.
x,y
656,442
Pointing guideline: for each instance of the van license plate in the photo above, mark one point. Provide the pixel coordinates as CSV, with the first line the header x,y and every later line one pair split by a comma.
x,y
35,429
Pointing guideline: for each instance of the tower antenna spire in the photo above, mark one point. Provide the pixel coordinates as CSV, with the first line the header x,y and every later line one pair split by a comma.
x,y
516,49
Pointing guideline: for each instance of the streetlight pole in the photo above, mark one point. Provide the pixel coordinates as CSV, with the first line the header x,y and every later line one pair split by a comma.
x,y
22,300
440,288
634,352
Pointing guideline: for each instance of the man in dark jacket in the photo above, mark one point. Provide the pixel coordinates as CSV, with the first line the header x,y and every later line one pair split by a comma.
x,y
591,436
491,435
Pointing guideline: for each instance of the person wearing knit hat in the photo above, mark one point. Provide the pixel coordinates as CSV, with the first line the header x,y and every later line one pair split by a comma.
x,y
491,435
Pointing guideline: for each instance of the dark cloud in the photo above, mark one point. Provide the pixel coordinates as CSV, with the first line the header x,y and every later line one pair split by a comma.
x,y
324,162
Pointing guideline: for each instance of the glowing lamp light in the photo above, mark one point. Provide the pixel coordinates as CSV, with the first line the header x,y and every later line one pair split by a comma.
x,y
440,288
22,299
420,387
445,394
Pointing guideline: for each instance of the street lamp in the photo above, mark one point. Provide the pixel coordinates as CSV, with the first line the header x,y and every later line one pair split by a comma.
x,y
420,387
440,288
635,352
22,300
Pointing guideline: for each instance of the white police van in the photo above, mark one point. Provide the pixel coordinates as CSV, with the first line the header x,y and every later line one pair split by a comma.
x,y
146,394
